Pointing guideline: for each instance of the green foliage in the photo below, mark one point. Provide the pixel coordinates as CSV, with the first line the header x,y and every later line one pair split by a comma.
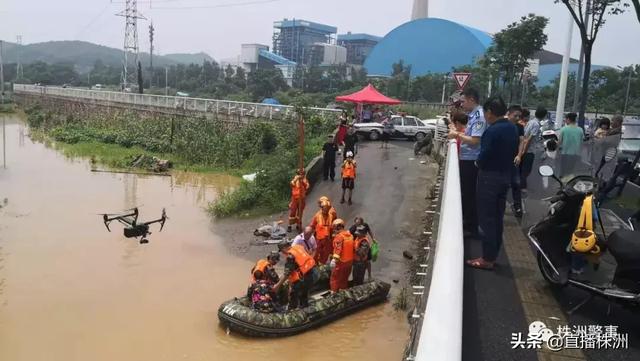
x,y
270,190
263,83
507,58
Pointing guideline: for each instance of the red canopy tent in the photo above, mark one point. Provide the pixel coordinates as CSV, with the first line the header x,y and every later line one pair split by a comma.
x,y
368,95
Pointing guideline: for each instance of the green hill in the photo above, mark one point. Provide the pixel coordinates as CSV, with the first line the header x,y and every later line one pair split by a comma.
x,y
197,58
84,54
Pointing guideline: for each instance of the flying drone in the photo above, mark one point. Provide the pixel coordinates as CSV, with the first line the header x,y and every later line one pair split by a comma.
x,y
132,228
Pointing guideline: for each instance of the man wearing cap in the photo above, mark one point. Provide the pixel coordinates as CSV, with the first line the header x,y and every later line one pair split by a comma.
x,y
362,251
469,151
300,270
348,176
342,258
332,209
299,187
264,268
321,224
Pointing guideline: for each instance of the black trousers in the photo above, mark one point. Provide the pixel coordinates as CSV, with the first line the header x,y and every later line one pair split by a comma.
x,y
357,271
468,182
329,169
525,168
492,198
300,290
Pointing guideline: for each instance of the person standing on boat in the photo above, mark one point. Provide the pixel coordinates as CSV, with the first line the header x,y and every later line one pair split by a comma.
x,y
362,251
300,271
307,240
342,258
321,223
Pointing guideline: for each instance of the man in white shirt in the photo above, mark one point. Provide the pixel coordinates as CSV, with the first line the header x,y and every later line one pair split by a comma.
x,y
306,240
530,145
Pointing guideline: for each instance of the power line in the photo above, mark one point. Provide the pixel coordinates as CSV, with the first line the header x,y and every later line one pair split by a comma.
x,y
257,2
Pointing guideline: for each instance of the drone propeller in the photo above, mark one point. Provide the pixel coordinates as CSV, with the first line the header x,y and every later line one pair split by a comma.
x,y
105,218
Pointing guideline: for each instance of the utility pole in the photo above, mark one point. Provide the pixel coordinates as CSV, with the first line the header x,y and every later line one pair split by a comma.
x,y
1,77
444,87
4,125
19,71
576,95
131,55
562,92
166,81
626,100
151,31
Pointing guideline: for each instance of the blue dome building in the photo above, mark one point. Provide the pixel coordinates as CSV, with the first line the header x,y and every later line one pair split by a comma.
x,y
429,45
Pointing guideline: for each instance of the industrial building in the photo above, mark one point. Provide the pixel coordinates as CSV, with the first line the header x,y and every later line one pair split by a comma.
x,y
258,56
421,44
296,40
358,46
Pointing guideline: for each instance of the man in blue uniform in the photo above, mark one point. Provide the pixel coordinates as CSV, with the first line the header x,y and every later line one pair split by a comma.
x,y
498,148
469,150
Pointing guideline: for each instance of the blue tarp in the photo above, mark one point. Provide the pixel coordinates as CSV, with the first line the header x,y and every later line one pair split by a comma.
x,y
271,101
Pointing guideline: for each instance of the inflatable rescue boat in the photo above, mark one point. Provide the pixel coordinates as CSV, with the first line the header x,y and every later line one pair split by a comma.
x,y
238,315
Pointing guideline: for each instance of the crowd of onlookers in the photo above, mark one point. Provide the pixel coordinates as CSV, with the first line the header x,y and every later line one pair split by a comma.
x,y
497,149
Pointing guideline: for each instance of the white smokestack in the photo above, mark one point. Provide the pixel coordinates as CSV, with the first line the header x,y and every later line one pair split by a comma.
x,y
420,9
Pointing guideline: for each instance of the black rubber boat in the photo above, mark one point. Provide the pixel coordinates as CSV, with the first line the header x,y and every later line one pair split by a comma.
x,y
238,316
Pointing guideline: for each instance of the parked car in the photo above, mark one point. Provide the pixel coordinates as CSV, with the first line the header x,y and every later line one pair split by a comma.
x,y
404,127
630,141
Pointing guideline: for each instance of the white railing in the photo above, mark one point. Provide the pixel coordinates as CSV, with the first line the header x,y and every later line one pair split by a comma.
x,y
215,106
441,332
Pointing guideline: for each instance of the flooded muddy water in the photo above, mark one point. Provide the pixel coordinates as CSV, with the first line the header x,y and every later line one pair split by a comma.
x,y
70,290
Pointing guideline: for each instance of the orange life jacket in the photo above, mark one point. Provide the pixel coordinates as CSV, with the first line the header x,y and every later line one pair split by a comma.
x,y
343,246
323,225
304,261
261,266
348,169
356,247
299,188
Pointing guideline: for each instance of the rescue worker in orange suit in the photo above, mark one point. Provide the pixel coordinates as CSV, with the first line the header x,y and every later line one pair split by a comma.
x,y
321,224
299,187
300,270
342,258
332,210
348,176
361,262
264,270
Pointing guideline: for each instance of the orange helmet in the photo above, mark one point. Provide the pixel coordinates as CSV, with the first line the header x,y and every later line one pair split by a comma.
x,y
338,222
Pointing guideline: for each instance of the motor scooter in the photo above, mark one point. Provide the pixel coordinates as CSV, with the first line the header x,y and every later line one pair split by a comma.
x,y
612,272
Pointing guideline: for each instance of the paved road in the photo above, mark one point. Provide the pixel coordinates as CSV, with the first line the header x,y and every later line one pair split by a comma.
x,y
389,194
497,304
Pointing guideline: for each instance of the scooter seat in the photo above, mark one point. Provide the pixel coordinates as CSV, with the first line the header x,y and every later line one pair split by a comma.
x,y
624,245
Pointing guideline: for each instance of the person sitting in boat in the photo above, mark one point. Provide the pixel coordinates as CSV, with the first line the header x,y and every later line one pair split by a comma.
x,y
300,270
264,271
262,295
266,268
361,262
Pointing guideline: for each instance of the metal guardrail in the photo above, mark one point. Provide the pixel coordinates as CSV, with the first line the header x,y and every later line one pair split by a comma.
x,y
441,332
214,106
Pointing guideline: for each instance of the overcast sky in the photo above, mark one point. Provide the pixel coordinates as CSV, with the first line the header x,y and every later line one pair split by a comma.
x,y
219,29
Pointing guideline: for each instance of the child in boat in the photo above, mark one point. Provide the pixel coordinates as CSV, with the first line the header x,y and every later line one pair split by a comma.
x,y
262,295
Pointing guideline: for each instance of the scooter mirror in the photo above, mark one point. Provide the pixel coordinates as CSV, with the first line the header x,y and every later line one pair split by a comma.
x,y
610,154
545,171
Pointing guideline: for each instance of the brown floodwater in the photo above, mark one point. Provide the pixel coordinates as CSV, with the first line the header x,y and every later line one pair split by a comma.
x,y
70,290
